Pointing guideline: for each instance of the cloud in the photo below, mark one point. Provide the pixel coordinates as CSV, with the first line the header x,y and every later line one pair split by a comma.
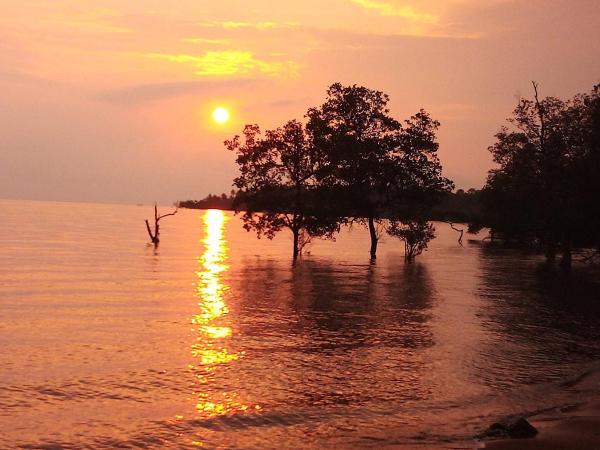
x,y
232,25
230,62
96,20
146,93
198,40
406,12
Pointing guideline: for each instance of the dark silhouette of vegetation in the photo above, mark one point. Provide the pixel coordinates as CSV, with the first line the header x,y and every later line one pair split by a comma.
x,y
545,192
352,162
279,184
381,167
223,201
416,235
155,236
458,207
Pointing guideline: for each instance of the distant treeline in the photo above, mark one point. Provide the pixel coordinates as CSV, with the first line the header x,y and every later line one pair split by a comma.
x,y
211,201
460,206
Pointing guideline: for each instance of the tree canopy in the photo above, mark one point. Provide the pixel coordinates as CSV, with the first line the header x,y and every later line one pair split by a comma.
x,y
278,184
383,168
351,162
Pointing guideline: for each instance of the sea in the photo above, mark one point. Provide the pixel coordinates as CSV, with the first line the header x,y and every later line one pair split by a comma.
x,y
215,340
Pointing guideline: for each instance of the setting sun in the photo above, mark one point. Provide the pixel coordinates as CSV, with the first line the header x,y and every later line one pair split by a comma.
x,y
220,115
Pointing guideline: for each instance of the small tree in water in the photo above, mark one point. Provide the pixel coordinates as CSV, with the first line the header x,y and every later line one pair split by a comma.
x,y
416,235
278,185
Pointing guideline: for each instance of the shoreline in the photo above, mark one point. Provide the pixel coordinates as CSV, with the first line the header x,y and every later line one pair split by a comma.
x,y
575,427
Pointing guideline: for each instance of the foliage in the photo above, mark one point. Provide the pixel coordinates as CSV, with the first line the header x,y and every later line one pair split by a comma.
x,y
278,183
416,235
460,206
352,162
380,166
545,191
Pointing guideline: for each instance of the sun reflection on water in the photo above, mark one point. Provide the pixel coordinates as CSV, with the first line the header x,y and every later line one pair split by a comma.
x,y
212,328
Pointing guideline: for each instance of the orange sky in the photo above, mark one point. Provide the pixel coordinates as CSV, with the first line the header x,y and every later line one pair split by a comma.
x,y
111,100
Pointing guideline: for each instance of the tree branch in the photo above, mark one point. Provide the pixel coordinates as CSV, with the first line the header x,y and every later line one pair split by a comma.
x,y
540,110
149,231
166,215
460,230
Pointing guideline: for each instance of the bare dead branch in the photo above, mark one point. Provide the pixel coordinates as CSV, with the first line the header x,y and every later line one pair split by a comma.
x,y
460,230
154,237
540,110
167,215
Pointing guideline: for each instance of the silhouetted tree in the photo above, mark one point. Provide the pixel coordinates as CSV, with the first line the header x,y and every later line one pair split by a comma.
x,y
382,167
416,235
278,184
546,189
586,111
155,236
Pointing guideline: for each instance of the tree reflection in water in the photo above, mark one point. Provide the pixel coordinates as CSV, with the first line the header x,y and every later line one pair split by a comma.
x,y
353,333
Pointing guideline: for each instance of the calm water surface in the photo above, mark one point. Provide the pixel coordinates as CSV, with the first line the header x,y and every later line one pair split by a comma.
x,y
214,340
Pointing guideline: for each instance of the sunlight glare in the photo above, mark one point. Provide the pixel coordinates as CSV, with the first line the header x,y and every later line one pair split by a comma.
x,y
220,115
211,323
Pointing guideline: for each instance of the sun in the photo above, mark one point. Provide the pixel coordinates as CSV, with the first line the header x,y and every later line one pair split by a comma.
x,y
220,115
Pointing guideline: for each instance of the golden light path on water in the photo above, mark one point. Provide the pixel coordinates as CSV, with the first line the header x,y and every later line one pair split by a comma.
x,y
211,325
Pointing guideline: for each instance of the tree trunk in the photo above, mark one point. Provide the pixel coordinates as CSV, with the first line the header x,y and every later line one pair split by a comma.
x,y
156,219
156,232
153,237
296,250
149,231
408,257
373,233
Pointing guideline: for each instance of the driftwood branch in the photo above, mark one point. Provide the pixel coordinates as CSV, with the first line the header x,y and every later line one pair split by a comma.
x,y
154,237
460,230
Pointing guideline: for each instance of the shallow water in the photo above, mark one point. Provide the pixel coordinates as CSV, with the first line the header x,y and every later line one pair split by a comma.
x,y
215,340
